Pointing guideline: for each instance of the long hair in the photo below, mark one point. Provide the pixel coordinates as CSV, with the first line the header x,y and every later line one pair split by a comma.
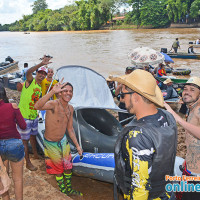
x,y
3,94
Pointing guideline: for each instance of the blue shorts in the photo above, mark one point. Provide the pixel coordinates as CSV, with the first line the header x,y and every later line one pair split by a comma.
x,y
12,150
31,129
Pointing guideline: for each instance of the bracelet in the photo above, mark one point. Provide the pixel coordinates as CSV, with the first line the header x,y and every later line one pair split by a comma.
x,y
2,170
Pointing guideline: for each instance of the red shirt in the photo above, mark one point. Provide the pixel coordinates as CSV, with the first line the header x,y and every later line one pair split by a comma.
x,y
9,117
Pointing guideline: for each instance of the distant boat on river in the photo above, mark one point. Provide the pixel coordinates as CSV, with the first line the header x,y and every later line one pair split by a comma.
x,y
184,55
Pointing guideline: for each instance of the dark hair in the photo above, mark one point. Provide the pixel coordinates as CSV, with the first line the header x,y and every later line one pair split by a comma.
x,y
176,38
129,68
25,64
69,85
3,94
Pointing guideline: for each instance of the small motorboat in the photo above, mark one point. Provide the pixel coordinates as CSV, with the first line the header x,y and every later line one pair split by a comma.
x,y
184,55
8,65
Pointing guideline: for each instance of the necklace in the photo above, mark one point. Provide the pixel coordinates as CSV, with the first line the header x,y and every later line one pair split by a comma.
x,y
66,114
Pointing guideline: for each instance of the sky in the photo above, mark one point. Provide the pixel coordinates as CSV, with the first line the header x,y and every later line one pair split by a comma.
x,y
12,10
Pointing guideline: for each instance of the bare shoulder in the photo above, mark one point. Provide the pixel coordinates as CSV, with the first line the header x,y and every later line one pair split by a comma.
x,y
14,105
197,111
71,108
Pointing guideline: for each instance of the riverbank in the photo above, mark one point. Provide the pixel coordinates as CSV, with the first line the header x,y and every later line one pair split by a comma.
x,y
40,185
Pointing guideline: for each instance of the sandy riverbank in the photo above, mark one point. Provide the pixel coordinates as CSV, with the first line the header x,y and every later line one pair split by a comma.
x,y
41,186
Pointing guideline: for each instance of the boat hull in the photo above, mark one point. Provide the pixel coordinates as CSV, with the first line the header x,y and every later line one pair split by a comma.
x,y
184,55
8,68
175,80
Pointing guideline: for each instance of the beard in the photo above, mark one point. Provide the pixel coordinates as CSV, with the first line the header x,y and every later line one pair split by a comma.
x,y
130,107
190,100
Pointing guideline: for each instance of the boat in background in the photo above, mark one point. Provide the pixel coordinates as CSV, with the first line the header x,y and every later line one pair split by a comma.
x,y
184,55
175,79
8,65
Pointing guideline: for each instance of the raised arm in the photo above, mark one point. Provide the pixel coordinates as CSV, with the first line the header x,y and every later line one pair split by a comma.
x,y
44,103
71,132
29,76
192,129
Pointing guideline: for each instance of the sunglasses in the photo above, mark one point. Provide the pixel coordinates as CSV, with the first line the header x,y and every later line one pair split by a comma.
x,y
122,94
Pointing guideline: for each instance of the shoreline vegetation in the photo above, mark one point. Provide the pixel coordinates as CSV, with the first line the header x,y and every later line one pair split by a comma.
x,y
108,14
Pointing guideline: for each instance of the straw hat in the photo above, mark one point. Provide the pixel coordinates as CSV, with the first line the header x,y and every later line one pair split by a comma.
x,y
194,81
168,81
144,84
108,79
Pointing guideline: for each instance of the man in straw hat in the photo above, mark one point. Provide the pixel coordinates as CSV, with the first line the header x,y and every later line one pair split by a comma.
x,y
171,92
191,165
124,118
146,149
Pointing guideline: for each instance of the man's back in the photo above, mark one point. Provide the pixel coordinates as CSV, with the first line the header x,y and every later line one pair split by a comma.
x,y
143,146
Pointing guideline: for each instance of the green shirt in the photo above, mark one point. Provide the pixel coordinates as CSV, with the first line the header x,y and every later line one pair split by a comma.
x,y
29,96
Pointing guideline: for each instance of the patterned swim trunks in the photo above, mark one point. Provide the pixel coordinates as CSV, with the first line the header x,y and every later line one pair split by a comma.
x,y
57,156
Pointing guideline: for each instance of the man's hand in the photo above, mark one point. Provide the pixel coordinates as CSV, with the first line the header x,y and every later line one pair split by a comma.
x,y
80,151
45,60
58,87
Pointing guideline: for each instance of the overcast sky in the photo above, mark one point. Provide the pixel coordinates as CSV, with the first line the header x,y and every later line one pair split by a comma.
x,y
12,10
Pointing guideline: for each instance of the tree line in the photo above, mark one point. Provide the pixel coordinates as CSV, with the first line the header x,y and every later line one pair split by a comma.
x,y
92,14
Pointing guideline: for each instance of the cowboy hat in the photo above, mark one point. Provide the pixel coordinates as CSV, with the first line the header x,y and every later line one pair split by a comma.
x,y
144,84
193,81
168,81
108,79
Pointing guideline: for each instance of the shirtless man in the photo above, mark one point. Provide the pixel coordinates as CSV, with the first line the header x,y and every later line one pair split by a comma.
x,y
191,166
59,117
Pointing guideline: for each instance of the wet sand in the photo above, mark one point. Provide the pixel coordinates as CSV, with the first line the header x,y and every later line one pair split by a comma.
x,y
40,185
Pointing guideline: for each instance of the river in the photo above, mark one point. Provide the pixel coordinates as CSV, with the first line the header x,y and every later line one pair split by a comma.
x,y
104,51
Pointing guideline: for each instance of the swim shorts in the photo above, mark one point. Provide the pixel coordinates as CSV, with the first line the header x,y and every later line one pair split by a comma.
x,y
12,150
57,156
31,129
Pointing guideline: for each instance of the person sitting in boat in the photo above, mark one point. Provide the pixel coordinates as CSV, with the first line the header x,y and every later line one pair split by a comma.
x,y
171,92
176,45
161,71
47,82
191,49
111,85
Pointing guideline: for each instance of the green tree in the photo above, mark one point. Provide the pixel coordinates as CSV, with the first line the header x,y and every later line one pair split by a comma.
x,y
39,5
178,9
195,9
154,13
55,22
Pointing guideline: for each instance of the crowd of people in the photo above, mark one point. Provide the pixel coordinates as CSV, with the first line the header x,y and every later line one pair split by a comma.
x,y
144,152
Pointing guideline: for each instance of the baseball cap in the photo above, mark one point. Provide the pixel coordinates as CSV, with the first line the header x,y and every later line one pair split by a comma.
x,y
44,69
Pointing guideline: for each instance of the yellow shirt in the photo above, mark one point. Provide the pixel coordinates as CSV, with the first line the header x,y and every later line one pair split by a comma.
x,y
45,86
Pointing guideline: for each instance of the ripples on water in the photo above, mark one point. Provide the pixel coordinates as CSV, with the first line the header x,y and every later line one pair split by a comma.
x,y
104,51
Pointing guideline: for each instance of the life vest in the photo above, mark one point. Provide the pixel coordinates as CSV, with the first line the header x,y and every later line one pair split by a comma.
x,y
175,44
165,142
